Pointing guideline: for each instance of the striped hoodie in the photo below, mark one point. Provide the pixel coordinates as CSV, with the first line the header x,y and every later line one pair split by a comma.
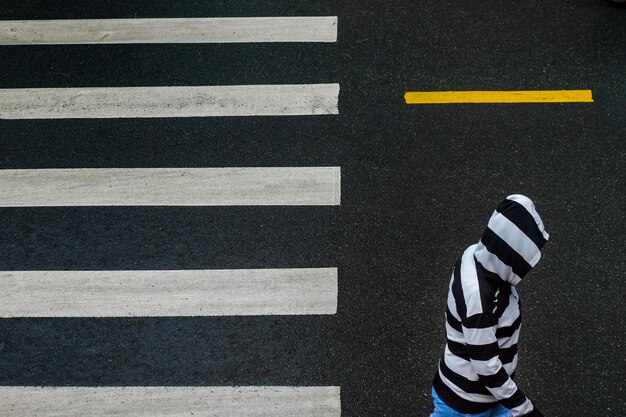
x,y
483,317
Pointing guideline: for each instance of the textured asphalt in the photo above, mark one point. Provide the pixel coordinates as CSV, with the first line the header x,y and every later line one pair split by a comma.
x,y
418,186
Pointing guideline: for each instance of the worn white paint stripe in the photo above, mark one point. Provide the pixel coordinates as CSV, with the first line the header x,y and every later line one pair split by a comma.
x,y
126,293
197,101
255,401
177,30
170,186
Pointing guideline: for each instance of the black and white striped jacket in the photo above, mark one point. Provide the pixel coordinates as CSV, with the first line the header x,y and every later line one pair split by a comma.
x,y
483,317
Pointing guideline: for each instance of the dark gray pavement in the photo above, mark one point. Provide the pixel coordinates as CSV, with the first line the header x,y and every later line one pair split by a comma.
x,y
418,186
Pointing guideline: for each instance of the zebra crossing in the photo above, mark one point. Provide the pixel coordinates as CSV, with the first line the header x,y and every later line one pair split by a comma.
x,y
175,293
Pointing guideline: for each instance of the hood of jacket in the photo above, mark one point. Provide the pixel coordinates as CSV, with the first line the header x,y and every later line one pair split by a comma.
x,y
511,244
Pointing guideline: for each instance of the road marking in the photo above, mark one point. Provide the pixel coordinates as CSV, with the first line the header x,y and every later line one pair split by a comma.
x,y
545,96
234,292
255,401
183,30
199,101
170,187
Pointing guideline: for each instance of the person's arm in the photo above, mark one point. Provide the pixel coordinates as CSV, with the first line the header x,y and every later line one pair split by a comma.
x,y
482,345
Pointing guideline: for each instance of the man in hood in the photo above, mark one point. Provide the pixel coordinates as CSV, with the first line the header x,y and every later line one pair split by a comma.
x,y
475,375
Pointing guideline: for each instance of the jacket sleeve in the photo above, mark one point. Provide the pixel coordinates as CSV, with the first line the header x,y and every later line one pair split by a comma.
x,y
482,345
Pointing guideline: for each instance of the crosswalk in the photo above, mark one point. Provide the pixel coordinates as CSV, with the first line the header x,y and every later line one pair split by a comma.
x,y
169,293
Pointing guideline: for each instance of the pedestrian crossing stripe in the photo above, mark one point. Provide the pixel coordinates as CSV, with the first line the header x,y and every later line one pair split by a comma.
x,y
169,30
169,101
272,186
168,293
170,401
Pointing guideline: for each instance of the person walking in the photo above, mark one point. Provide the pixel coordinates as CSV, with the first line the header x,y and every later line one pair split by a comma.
x,y
483,320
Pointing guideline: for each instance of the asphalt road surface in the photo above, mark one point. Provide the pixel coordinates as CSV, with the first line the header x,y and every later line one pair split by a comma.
x,y
417,185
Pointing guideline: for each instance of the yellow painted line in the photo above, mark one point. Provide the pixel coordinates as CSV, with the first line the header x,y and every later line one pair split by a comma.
x,y
538,96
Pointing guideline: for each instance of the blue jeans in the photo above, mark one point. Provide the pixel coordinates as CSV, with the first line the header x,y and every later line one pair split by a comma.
x,y
444,410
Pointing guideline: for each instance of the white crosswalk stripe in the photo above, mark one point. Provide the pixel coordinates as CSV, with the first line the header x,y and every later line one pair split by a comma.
x,y
258,401
168,293
201,101
170,186
179,30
